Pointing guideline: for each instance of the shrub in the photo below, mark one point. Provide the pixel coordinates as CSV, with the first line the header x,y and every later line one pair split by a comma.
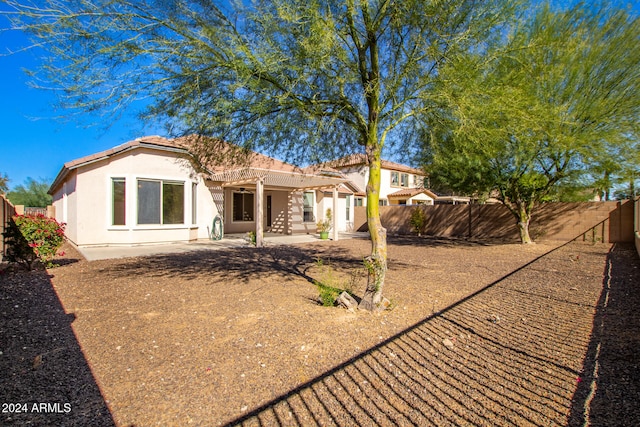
x,y
34,237
418,220
330,286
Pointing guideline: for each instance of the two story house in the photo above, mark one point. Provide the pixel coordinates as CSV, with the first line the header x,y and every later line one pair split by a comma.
x,y
399,184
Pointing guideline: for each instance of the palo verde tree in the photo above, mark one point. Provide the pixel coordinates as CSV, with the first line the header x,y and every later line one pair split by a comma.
x,y
528,116
308,80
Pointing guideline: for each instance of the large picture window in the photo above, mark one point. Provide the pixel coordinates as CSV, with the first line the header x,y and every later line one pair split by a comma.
x,y
119,208
160,202
242,206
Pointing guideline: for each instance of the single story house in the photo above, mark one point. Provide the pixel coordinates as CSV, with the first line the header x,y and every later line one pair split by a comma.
x,y
152,190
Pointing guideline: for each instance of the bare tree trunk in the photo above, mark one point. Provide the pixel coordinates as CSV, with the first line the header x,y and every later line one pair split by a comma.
x,y
524,219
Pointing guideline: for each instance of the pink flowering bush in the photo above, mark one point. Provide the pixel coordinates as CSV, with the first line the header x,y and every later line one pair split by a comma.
x,y
34,237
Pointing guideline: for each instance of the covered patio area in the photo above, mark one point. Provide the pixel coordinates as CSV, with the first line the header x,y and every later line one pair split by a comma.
x,y
276,210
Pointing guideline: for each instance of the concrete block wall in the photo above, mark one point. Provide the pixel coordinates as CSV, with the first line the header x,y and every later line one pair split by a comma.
x,y
592,221
6,212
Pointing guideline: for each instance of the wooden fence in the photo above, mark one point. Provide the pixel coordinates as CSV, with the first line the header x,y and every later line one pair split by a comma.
x,y
593,221
6,212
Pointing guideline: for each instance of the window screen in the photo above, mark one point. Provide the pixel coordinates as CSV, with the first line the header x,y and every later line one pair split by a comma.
x,y
149,202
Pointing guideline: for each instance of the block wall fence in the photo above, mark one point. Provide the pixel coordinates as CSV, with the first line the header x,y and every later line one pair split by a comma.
x,y
7,210
609,222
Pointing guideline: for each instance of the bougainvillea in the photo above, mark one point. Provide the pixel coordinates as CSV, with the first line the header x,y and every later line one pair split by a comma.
x,y
34,237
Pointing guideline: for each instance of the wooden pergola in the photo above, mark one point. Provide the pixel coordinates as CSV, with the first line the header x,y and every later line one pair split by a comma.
x,y
279,180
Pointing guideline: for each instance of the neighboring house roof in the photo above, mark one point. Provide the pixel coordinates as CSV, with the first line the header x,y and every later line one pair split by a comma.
x,y
360,159
407,193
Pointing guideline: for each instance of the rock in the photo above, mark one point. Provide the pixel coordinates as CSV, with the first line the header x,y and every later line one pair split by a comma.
x,y
384,304
37,361
448,343
347,301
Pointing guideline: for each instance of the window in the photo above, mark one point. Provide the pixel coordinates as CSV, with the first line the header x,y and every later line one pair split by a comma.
x,y
394,179
383,202
307,206
348,210
194,202
243,206
417,181
119,212
160,202
358,201
399,179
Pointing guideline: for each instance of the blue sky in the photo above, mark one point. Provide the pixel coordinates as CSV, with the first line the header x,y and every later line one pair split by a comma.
x,y
33,143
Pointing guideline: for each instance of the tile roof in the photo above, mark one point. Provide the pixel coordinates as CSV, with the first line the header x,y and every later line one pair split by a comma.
x,y
210,156
411,192
360,159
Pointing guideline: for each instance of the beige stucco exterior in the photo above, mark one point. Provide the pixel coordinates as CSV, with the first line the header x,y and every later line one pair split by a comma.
x,y
84,200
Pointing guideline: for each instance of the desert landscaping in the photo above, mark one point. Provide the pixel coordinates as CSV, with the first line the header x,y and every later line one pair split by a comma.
x,y
477,334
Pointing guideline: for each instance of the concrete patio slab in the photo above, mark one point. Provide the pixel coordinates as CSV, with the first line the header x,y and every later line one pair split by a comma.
x,y
95,253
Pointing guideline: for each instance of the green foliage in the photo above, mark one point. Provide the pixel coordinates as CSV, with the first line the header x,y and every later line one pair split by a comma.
x,y
4,183
330,286
325,224
18,250
529,116
418,220
304,80
251,238
32,194
34,237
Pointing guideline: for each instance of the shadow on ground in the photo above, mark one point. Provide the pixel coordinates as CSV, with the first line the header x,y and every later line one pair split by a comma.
x,y
242,263
44,377
502,356
611,375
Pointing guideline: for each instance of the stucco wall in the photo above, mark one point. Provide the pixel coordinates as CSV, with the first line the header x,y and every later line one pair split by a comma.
x,y
593,221
88,205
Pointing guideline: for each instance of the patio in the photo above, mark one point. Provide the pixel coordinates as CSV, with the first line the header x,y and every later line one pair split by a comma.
x,y
229,241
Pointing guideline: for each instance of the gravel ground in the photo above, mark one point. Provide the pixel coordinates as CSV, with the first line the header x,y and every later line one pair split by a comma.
x,y
478,334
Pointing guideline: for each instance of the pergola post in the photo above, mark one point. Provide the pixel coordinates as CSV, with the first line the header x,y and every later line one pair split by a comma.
x,y
259,209
335,214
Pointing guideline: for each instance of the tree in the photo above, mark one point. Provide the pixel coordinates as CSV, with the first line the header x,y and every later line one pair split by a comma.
x,y
4,183
308,80
32,194
528,116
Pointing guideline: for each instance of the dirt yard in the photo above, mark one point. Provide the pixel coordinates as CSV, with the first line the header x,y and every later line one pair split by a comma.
x,y
478,334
